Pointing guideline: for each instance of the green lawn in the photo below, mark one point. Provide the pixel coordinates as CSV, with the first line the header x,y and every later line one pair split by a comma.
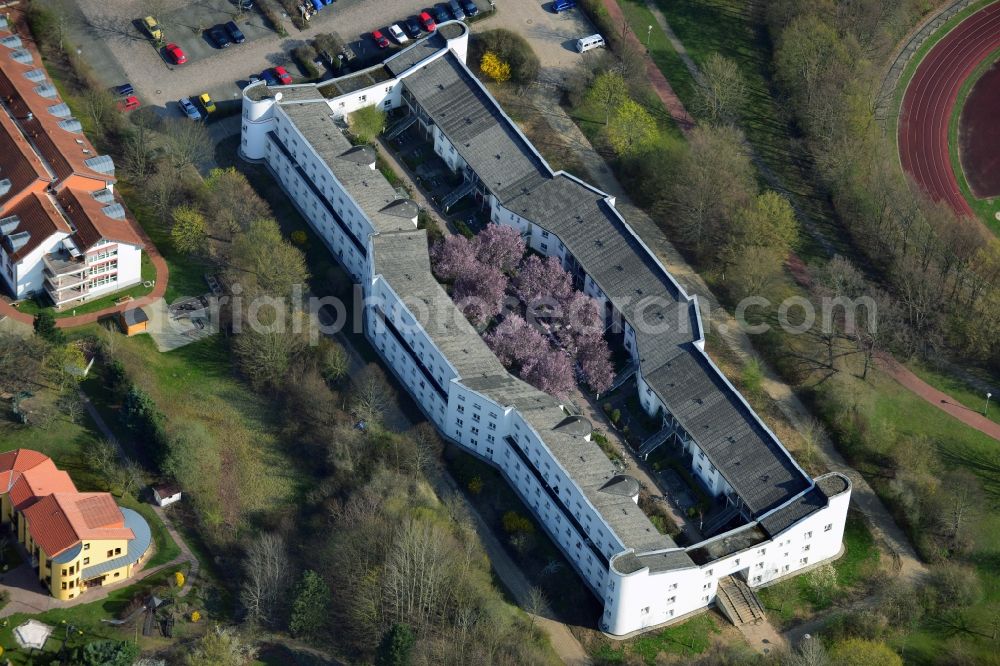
x,y
687,639
962,393
797,599
986,209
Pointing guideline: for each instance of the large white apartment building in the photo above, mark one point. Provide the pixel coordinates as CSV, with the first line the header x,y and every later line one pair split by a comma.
x,y
777,520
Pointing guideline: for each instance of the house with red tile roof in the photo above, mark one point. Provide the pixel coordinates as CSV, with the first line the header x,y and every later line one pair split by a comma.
x,y
64,231
76,540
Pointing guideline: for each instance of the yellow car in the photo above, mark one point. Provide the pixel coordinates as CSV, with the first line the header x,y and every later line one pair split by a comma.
x,y
152,27
206,102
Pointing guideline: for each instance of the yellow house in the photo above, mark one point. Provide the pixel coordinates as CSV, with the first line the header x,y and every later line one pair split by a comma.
x,y
76,540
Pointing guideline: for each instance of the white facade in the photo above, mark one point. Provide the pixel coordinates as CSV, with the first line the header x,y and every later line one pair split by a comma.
x,y
638,589
26,277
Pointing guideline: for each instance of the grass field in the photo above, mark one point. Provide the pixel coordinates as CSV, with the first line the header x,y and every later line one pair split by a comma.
x,y
964,394
985,209
691,637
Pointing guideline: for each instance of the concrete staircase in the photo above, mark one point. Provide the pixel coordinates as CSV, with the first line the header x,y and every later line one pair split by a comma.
x,y
719,520
738,602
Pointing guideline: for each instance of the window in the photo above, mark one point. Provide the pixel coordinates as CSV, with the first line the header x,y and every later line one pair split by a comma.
x,y
362,98
762,551
760,565
490,438
64,585
705,598
86,546
671,600
644,611
706,586
804,560
86,560
493,426
709,572
118,551
493,415
461,398
757,579
461,409
828,527
475,417
459,422
110,554
809,535
673,586
786,567
545,234
117,573
475,431
805,548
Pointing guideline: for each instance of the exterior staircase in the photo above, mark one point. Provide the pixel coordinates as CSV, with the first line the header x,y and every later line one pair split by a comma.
x,y
719,520
738,602
654,441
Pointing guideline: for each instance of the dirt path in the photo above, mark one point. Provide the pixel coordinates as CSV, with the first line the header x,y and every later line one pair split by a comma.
x,y
941,400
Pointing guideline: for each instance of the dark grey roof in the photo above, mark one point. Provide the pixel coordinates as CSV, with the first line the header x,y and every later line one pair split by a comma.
x,y
738,540
134,316
369,188
780,520
405,208
575,425
622,484
360,155
476,126
667,560
412,55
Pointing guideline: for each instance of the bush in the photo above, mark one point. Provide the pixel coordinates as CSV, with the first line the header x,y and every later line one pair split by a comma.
x,y
299,237
510,49
607,408
950,586
515,523
305,55
616,416
463,228
274,17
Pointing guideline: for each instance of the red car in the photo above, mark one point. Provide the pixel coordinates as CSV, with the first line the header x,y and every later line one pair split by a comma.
x,y
130,103
380,39
427,22
176,54
282,75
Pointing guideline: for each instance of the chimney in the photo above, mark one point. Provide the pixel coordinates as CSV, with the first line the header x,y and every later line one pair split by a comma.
x,y
30,116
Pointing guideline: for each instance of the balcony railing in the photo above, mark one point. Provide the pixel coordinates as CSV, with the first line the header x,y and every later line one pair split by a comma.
x,y
59,282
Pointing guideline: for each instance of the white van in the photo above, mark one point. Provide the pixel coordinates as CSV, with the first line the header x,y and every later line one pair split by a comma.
x,y
585,44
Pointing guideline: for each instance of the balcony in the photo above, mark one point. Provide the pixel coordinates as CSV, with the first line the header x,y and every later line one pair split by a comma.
x,y
59,282
65,296
61,263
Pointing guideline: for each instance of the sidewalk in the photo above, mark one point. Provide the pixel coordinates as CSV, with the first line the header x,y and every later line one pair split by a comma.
x,y
941,400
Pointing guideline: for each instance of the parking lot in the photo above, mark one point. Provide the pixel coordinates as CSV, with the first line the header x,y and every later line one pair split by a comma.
x,y
108,34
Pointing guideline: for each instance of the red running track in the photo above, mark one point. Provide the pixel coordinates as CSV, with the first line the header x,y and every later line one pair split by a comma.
x,y
930,98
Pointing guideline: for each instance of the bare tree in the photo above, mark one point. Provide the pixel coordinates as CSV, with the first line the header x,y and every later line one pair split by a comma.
x,y
102,457
266,579
417,573
722,90
535,604
187,143
372,394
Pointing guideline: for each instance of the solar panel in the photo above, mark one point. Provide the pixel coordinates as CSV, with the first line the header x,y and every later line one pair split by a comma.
x,y
22,56
101,163
35,75
115,210
60,111
46,90
71,125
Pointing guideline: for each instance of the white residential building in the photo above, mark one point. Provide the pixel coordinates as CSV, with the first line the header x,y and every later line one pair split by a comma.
x,y
774,521
64,231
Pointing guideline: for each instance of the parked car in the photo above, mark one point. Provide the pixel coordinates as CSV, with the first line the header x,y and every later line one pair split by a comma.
x,y
456,9
441,14
317,4
124,90
398,34
253,79
218,37
206,103
152,27
189,109
427,22
412,27
269,78
130,103
469,7
563,5
282,75
380,39
235,33
176,53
